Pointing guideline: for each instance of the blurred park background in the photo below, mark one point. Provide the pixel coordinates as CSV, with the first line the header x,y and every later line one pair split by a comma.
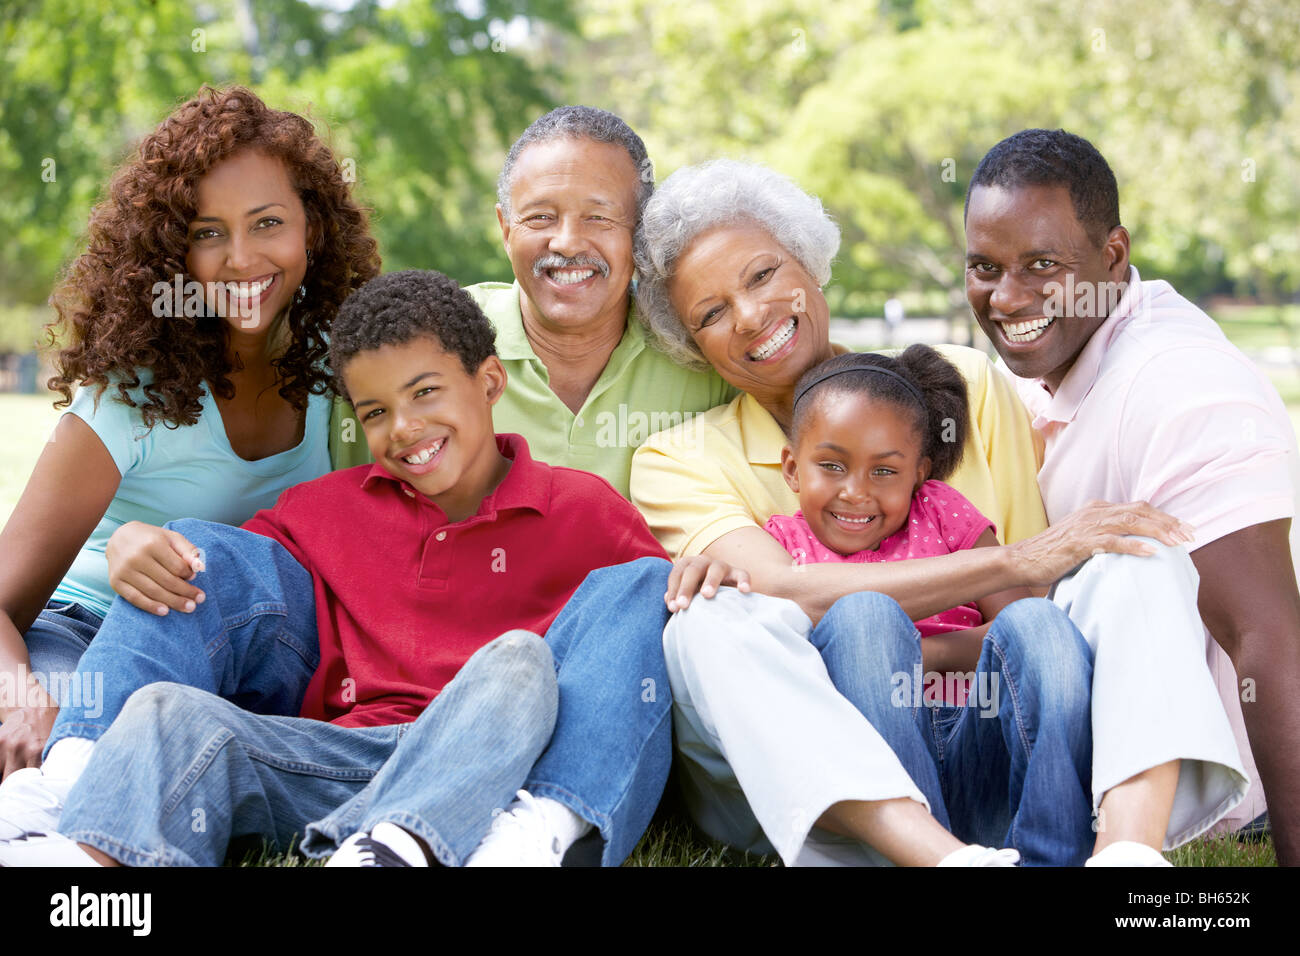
x,y
882,109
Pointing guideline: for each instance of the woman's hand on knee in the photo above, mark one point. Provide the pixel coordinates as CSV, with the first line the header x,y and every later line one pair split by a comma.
x,y
701,575
1096,528
151,567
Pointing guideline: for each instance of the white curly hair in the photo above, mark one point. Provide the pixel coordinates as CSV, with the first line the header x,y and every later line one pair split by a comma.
x,y
717,193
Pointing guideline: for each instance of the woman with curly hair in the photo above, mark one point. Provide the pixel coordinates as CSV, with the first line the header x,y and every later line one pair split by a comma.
x,y
195,334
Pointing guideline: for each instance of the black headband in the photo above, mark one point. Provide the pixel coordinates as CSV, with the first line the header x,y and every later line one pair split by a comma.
x,y
916,392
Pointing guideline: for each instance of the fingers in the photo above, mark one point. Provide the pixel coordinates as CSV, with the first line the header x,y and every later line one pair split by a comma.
x,y
701,575
190,555
154,589
693,572
1140,518
739,579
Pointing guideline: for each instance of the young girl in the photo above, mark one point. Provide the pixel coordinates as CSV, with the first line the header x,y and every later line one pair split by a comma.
x,y
870,438
196,330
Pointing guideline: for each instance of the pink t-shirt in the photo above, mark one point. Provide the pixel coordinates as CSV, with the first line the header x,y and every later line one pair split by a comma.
x,y
940,521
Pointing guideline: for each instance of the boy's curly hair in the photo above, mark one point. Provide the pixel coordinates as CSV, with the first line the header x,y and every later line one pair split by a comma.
x,y
400,307
139,236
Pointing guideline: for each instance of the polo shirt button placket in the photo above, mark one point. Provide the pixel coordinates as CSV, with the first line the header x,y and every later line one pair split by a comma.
x,y
440,536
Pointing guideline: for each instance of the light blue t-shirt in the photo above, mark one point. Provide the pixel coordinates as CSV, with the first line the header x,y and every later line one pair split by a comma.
x,y
188,472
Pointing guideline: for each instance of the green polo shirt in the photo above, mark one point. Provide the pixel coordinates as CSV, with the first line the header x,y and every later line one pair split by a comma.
x,y
641,391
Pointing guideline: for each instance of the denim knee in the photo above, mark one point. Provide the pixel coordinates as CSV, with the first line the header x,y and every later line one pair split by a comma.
x,y
1046,648
874,620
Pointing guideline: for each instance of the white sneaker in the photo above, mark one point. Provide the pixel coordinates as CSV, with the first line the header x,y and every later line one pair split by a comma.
x,y
31,802
386,845
976,855
44,849
1128,853
521,835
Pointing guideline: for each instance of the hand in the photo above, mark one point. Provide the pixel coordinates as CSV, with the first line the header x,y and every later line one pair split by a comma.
x,y
1095,528
24,733
702,575
149,566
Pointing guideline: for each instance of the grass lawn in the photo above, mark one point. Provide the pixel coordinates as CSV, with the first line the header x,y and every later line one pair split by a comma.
x,y
27,421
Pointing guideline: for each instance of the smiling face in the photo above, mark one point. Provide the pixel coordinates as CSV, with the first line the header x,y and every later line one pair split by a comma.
x,y
855,467
251,230
428,422
754,312
1038,283
569,233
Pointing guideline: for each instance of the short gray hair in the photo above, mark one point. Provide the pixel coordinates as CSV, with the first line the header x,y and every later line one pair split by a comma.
x,y
718,193
580,122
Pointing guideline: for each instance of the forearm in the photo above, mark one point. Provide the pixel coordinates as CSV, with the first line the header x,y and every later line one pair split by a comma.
x,y
1268,674
922,586
18,689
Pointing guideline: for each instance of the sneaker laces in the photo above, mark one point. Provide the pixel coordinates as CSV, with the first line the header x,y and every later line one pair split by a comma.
x,y
375,853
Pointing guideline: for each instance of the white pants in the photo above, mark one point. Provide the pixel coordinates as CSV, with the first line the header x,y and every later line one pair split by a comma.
x,y
1153,697
767,744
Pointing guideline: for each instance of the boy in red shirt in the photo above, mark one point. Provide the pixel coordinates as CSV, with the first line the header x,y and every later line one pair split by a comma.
x,y
403,573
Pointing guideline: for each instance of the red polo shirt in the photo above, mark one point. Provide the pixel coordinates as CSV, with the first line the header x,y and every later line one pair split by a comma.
x,y
404,597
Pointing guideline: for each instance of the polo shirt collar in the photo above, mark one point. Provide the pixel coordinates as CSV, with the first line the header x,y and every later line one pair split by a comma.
x,y
512,341
526,485
1083,375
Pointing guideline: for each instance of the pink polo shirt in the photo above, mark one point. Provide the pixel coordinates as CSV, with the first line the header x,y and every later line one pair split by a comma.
x,y
1161,407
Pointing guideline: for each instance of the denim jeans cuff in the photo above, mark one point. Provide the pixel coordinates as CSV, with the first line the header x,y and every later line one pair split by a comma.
x,y
91,732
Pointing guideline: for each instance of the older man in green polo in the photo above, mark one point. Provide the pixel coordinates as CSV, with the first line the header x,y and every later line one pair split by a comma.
x,y
585,387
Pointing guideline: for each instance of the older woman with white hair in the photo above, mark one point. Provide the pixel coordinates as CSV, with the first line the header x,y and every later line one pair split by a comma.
x,y
731,258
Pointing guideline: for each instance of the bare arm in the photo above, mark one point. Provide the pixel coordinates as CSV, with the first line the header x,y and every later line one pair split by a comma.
x,y
925,586
69,490
1249,602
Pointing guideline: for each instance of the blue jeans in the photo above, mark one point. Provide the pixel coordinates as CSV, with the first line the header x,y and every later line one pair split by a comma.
x,y
1013,766
200,771
55,642
253,641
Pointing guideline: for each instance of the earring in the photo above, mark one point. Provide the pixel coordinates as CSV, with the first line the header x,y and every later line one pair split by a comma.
x,y
302,289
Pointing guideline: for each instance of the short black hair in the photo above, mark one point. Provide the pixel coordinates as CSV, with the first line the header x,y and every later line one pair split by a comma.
x,y
396,308
1053,157
920,382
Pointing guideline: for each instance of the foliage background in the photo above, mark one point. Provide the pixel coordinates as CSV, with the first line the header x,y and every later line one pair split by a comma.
x,y
882,109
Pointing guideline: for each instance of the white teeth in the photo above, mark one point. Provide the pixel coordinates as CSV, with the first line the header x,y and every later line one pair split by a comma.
x,y
249,290
1025,331
783,334
569,278
424,456
846,518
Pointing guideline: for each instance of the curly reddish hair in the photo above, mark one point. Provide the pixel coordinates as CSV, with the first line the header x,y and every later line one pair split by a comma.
x,y
139,235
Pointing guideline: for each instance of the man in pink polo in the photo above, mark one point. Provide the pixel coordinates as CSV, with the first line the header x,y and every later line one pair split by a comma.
x,y
1139,396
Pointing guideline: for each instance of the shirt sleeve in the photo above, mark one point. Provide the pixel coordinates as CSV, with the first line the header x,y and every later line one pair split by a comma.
x,y
959,522
685,496
786,530
1221,458
999,470
119,426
